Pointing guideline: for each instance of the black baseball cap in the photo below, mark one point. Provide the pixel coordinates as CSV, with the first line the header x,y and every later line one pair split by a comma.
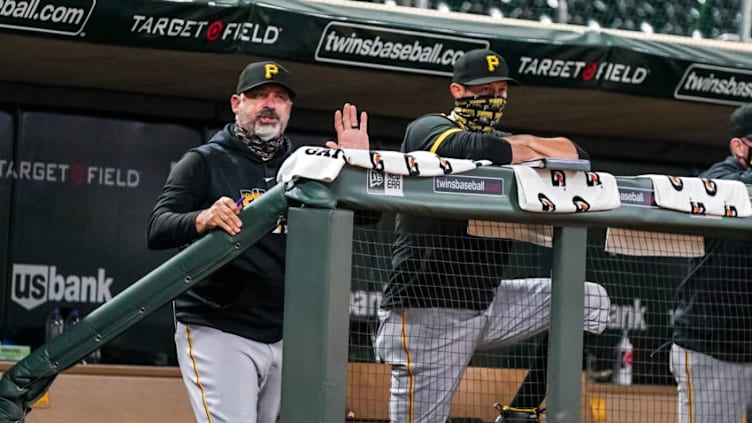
x,y
260,73
481,66
741,122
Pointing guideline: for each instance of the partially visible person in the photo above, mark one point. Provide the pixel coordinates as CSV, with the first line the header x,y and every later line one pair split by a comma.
x,y
446,297
711,355
229,326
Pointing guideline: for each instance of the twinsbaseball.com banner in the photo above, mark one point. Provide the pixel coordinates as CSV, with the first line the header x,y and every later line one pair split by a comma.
x,y
373,38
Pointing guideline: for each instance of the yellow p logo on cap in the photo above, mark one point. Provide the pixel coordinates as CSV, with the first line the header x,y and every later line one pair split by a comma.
x,y
492,61
270,69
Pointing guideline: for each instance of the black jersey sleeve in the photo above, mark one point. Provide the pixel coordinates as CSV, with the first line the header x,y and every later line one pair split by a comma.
x,y
728,169
440,135
173,220
581,154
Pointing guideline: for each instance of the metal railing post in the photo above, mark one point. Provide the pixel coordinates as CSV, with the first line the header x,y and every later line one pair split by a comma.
x,y
317,304
565,339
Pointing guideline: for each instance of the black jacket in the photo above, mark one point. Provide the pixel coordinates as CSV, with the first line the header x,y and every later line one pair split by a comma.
x,y
713,313
245,297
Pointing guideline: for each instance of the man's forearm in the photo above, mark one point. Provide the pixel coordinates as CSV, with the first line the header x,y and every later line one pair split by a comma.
x,y
526,147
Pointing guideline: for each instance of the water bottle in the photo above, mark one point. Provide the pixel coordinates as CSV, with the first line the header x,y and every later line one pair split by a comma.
x,y
623,367
72,318
54,324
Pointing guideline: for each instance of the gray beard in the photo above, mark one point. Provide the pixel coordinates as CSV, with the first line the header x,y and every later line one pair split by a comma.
x,y
266,132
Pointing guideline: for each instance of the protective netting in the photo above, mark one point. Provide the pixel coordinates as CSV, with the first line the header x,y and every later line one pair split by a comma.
x,y
628,332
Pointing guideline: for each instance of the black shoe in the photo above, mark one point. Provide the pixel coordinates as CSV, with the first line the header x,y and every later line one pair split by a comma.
x,y
509,414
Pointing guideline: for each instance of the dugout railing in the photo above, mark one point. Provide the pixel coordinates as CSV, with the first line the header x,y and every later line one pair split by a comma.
x,y
319,273
314,381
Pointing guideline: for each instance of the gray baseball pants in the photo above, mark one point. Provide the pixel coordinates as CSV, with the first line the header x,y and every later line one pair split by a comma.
x,y
229,378
429,348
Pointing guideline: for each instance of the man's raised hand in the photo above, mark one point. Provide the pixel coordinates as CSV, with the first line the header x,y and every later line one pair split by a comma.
x,y
351,133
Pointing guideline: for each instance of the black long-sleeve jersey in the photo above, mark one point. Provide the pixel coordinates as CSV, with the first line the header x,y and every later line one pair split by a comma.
x,y
713,313
245,297
434,262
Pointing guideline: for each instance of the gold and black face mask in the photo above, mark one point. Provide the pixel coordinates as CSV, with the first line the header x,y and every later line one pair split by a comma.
x,y
479,113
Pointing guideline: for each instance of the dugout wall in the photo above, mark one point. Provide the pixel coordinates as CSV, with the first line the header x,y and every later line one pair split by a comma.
x,y
77,192
6,147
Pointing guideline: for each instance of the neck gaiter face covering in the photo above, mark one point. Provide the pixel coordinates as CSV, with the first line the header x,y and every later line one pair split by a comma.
x,y
479,113
264,149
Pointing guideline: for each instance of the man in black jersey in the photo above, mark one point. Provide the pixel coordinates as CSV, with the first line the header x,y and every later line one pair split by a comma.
x,y
446,296
229,326
711,355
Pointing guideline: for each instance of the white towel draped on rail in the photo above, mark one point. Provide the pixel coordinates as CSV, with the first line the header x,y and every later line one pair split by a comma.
x,y
565,191
712,197
325,164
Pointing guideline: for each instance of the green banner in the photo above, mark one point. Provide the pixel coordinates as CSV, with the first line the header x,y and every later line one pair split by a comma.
x,y
380,38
